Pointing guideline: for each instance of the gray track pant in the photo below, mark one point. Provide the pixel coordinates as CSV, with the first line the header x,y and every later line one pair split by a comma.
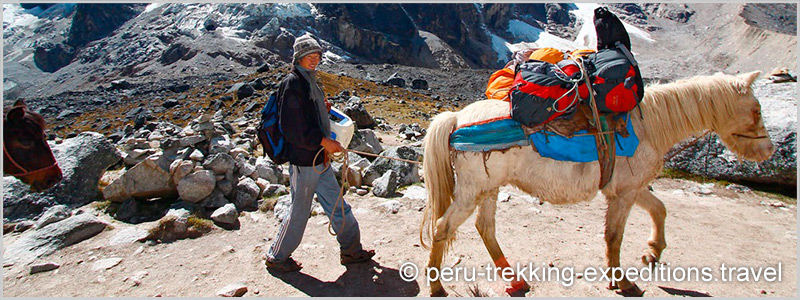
x,y
304,183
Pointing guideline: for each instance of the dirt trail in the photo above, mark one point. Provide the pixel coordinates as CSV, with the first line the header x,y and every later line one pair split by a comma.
x,y
702,231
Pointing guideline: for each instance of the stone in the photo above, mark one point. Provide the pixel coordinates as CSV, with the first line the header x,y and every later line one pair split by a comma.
x,y
242,90
362,192
391,206
232,290
23,225
356,111
215,200
44,267
82,159
284,203
179,169
247,192
225,186
353,175
220,163
419,84
386,185
273,190
190,141
196,186
144,181
226,214
128,235
53,237
395,80
365,140
407,173
106,263
170,103
246,169
262,185
220,144
267,170
53,214
196,155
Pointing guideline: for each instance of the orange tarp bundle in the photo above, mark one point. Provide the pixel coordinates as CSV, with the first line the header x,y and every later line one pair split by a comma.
x,y
499,84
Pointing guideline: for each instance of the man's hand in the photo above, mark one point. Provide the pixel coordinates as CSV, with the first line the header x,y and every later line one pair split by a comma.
x,y
330,146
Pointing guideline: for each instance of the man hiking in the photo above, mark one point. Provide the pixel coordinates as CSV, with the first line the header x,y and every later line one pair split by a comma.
x,y
306,128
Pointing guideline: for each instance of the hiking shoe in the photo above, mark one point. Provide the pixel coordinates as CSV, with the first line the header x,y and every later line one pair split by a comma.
x,y
359,256
288,265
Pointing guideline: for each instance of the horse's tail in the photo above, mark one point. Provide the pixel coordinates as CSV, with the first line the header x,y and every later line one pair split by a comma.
x,y
439,179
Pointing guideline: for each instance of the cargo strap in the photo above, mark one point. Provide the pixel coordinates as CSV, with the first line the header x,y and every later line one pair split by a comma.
x,y
604,137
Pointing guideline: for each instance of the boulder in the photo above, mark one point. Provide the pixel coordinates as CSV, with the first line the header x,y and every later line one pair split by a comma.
x,y
268,170
391,206
258,84
358,113
247,192
419,84
191,140
284,203
220,163
273,190
179,169
82,159
242,90
385,185
233,290
395,80
353,175
215,200
407,173
170,103
137,211
55,236
196,186
220,144
44,267
145,180
365,140
128,235
53,214
226,214
225,186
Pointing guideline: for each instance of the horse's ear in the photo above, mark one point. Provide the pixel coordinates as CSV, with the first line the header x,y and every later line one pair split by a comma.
x,y
746,80
751,77
21,103
15,114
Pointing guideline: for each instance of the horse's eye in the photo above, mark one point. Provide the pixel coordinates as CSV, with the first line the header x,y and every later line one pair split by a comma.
x,y
26,144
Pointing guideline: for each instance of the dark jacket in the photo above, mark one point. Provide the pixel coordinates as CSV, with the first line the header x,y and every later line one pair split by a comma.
x,y
299,121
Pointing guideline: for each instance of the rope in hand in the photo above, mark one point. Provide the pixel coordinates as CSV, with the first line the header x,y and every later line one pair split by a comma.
x,y
342,157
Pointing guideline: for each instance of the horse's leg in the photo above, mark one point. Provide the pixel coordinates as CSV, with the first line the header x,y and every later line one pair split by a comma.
x,y
658,213
458,212
485,223
619,206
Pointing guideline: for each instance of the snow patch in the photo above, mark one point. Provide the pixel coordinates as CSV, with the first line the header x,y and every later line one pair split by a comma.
x,y
152,6
536,37
500,46
15,16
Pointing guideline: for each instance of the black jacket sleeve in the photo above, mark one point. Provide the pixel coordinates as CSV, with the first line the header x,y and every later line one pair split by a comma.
x,y
298,118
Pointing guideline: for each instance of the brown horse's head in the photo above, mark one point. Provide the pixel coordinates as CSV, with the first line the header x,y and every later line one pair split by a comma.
x,y
26,154
744,132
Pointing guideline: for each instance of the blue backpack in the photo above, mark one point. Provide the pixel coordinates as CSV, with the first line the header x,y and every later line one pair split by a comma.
x,y
269,132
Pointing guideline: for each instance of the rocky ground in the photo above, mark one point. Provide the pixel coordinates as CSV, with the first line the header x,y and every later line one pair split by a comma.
x,y
763,234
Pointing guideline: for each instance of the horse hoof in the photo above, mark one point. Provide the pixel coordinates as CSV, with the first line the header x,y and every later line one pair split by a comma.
x,y
649,260
632,291
518,289
439,293
612,286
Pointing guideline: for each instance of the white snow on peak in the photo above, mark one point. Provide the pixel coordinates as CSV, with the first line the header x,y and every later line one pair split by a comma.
x,y
152,6
536,37
502,47
15,16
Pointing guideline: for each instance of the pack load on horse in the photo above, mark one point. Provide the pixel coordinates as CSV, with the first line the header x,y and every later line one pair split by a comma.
x,y
461,178
26,154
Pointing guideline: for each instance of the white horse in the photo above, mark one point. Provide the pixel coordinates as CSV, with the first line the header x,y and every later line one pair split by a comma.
x,y
460,182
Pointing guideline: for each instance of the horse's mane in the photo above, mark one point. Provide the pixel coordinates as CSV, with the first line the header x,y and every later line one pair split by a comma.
x,y
672,110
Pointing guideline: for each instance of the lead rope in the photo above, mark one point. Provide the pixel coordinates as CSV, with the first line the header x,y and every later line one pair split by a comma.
x,y
343,158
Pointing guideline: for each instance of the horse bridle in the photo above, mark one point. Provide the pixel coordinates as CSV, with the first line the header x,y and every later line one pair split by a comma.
x,y
25,172
750,137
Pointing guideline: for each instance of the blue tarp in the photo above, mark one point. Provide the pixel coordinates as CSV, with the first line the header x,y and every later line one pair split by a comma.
x,y
504,134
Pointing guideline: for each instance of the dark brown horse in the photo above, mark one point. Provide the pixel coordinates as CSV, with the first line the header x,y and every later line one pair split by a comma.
x,y
26,154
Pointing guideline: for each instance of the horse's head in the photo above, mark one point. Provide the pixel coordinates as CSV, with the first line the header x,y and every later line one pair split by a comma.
x,y
744,132
26,154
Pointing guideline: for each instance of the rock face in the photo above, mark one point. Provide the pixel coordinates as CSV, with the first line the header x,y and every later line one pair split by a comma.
x,y
53,237
709,157
52,215
83,160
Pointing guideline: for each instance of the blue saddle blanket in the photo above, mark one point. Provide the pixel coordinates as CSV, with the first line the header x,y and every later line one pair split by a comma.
x,y
507,133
